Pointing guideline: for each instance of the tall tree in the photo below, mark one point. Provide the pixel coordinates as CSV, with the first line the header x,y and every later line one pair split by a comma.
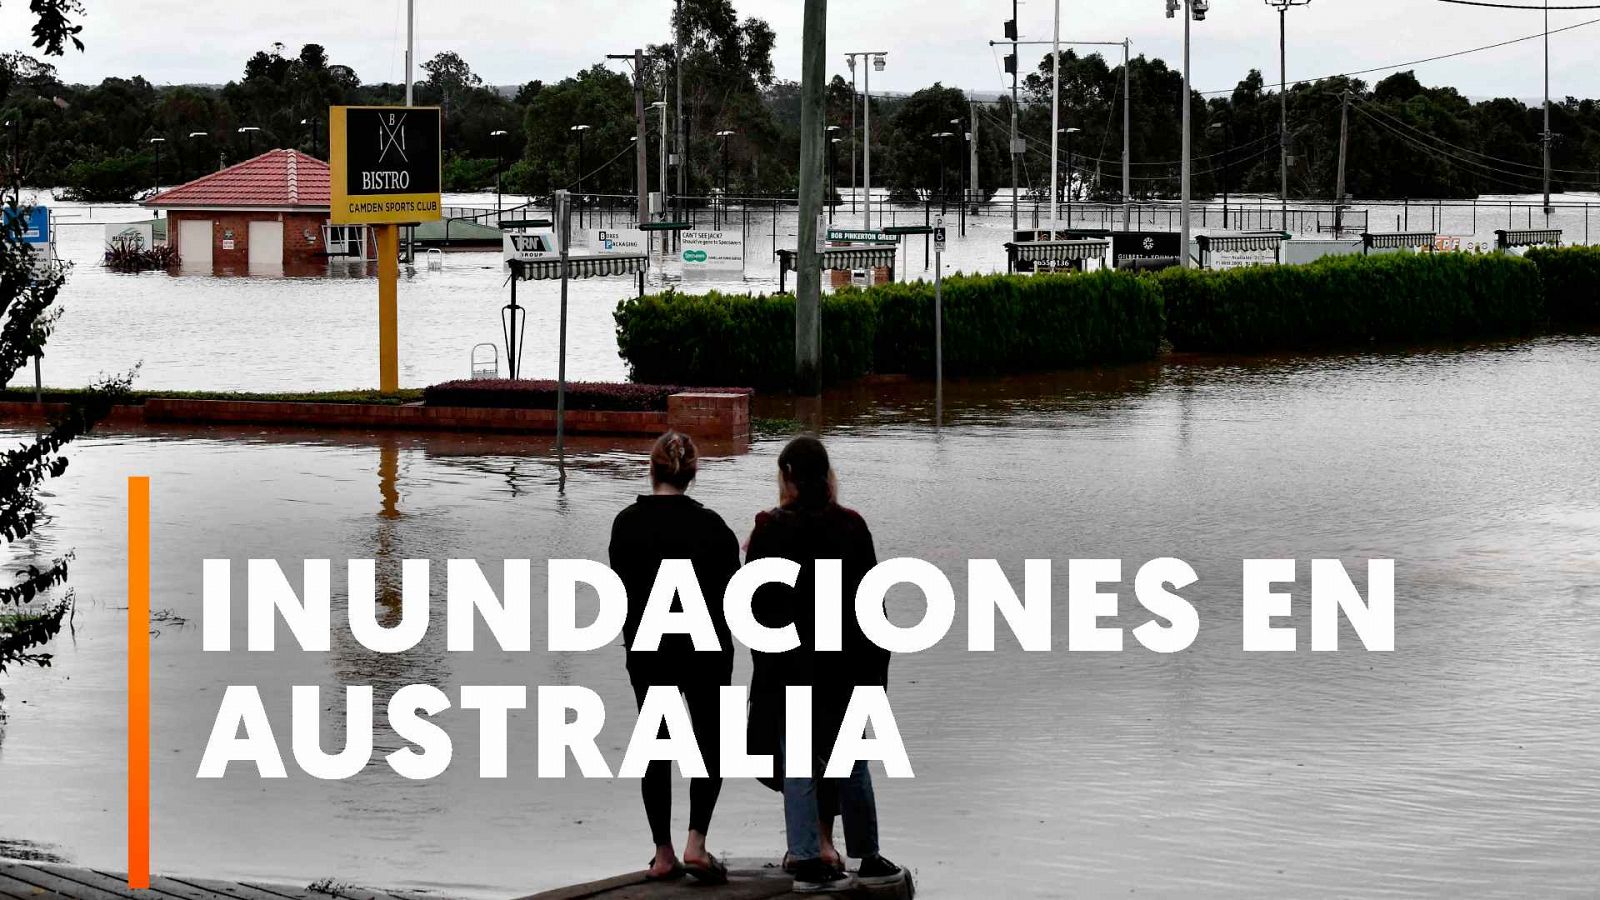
x,y
32,608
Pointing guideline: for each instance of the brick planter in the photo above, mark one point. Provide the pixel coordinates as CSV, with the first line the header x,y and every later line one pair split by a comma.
x,y
713,417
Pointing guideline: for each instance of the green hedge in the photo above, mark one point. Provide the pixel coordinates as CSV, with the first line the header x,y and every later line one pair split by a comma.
x,y
1000,323
993,324
719,338
1351,301
1571,282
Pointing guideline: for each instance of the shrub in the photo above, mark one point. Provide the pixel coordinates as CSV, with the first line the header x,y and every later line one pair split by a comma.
x,y
110,179
1350,301
1000,323
738,339
506,394
1571,282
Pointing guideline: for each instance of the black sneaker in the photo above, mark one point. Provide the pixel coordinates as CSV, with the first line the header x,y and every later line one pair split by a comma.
x,y
813,876
879,872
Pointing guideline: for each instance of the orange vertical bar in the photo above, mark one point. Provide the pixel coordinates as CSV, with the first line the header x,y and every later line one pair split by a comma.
x,y
139,683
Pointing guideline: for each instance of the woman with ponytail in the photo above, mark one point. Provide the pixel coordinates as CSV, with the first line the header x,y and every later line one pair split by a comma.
x,y
667,524
809,525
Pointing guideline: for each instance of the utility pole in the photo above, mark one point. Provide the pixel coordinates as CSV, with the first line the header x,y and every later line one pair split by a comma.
x,y
1017,146
1548,137
1283,98
411,47
808,280
1127,134
1344,151
683,151
1055,121
976,193
641,177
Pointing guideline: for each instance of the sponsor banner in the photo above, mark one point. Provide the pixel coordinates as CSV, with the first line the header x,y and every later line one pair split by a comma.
x,y
132,236
386,166
529,247
713,251
36,225
630,241
1139,249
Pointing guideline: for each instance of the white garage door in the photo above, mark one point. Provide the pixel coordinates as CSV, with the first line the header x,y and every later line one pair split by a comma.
x,y
266,245
194,243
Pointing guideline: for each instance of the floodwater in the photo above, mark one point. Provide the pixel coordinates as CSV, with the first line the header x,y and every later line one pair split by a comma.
x,y
201,332
1462,764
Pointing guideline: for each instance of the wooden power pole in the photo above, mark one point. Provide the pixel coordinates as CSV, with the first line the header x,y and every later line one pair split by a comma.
x,y
808,281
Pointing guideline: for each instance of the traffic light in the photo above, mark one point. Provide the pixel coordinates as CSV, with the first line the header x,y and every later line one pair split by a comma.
x,y
1011,64
1011,29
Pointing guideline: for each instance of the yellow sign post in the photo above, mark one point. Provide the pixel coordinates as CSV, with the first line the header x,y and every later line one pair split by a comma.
x,y
387,171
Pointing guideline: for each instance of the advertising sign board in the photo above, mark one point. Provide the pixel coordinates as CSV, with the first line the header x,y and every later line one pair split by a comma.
x,y
713,251
386,166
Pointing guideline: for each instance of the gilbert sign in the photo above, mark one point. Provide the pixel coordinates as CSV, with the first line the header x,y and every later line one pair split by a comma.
x,y
386,166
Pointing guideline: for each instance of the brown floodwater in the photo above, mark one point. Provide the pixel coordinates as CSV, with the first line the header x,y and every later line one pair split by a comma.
x,y
1461,764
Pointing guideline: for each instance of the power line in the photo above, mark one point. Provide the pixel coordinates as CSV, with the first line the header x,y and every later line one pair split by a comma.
x,y
1418,62
1515,6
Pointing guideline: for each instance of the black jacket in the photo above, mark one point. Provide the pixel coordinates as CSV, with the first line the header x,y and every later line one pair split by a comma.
x,y
805,536
662,527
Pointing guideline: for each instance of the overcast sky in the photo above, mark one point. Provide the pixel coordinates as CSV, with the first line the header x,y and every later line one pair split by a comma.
x,y
513,41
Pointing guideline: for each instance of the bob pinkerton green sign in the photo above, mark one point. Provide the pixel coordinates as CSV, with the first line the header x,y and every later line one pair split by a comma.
x,y
386,164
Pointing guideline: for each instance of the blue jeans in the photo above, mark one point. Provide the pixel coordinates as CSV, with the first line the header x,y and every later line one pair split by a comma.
x,y
806,801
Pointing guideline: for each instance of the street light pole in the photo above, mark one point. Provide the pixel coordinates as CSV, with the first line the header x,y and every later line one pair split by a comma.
x,y
943,138
1282,7
833,176
855,182
250,131
156,142
411,47
1069,132
581,131
725,135
1196,10
499,174
871,59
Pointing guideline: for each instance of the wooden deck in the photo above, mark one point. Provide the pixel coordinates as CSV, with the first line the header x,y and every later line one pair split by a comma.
x,y
30,881
749,880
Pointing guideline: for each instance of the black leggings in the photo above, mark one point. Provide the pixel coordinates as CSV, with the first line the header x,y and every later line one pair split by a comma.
x,y
704,703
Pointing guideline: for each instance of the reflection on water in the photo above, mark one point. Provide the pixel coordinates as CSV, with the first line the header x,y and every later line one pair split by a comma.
x,y
1460,765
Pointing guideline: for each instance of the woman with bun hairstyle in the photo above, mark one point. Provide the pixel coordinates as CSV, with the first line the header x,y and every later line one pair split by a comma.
x,y
667,524
809,525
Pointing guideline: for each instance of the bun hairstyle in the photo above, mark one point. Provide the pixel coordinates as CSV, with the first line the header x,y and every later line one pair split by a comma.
x,y
674,460
808,474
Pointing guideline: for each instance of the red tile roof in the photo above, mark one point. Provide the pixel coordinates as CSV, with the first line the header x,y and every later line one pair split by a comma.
x,y
275,179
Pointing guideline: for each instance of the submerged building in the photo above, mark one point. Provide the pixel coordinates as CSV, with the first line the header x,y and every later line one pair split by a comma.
x,y
267,214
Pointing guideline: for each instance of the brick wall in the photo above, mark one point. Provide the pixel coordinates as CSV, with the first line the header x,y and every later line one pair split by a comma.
x,y
716,416
302,235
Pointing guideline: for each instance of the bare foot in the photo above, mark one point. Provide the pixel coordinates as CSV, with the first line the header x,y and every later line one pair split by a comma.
x,y
666,862
830,855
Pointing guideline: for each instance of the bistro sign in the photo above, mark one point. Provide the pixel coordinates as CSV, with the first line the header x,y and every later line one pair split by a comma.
x,y
386,166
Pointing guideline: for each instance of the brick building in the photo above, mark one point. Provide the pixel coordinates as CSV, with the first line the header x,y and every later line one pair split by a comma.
x,y
265,215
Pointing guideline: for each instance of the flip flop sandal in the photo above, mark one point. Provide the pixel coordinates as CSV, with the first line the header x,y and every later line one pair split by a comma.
x,y
677,872
713,873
